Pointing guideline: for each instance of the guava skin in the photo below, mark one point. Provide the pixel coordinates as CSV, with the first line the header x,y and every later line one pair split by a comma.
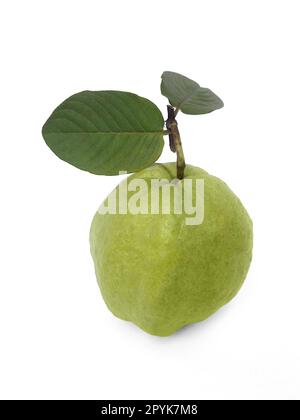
x,y
161,274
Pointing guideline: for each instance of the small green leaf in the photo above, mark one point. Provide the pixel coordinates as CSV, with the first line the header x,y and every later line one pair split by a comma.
x,y
187,95
106,132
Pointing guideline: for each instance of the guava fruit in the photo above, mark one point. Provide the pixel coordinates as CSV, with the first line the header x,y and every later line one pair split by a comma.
x,y
161,273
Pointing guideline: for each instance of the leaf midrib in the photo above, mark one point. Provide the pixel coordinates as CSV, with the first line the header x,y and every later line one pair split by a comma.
x,y
188,97
121,133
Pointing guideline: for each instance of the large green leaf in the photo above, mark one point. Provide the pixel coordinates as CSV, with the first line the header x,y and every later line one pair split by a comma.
x,y
186,95
106,132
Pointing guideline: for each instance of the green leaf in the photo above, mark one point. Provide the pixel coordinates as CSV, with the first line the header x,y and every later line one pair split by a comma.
x,y
187,95
106,132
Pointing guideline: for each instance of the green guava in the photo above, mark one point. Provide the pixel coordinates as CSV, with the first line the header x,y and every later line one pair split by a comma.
x,y
161,273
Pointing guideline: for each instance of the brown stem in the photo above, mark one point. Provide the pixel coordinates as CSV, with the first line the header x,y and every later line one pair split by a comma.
x,y
175,141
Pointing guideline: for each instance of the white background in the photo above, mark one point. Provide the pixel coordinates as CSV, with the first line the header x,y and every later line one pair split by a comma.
x,y
58,340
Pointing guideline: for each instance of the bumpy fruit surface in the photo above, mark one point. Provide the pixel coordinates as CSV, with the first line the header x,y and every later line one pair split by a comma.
x,y
161,274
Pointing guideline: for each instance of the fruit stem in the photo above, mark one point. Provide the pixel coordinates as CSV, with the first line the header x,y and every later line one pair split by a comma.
x,y
175,141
